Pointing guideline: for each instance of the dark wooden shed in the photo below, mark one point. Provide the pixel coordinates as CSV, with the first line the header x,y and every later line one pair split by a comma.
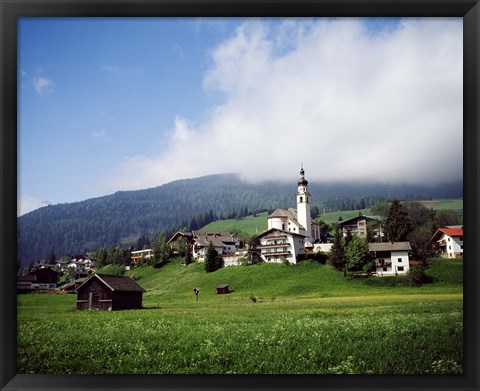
x,y
104,292
222,289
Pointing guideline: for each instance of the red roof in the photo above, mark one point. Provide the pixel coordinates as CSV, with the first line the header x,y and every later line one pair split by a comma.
x,y
450,231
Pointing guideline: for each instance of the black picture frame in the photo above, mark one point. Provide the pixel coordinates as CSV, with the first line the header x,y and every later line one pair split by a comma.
x,y
11,10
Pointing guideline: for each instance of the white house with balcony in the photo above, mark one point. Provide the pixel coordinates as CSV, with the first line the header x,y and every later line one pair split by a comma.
x,y
450,241
277,245
390,258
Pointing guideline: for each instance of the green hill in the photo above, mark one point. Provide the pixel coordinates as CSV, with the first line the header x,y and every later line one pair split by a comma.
x,y
258,223
175,282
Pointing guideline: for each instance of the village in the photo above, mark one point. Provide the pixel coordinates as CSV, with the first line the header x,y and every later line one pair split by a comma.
x,y
292,236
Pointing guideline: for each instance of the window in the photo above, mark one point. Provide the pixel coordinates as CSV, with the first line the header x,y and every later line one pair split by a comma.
x,y
400,268
448,239
400,260
301,200
449,247
385,269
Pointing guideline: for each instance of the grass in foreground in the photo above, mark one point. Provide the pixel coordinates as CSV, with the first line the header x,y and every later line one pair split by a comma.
x,y
323,324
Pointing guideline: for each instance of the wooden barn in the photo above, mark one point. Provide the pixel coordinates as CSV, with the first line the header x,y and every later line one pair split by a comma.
x,y
111,293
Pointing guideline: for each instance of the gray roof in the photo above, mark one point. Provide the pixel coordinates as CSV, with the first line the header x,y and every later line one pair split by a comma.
x,y
375,218
116,283
218,239
389,246
290,214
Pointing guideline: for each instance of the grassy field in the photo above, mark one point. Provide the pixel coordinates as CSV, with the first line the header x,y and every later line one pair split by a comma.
x,y
248,224
304,319
252,225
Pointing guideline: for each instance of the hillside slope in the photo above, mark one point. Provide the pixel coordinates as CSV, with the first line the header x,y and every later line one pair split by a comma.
x,y
308,279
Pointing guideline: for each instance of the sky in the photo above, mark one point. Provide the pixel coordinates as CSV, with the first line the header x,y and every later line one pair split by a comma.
x,y
125,104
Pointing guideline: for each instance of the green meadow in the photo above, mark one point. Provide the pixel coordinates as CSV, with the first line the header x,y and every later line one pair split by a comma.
x,y
278,319
258,223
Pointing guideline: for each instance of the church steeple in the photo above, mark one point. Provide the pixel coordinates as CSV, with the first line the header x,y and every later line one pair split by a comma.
x,y
302,180
303,205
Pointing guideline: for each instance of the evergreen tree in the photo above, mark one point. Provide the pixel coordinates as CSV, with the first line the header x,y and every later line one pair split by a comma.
x,y
161,252
188,259
213,260
422,248
51,257
337,255
398,224
101,257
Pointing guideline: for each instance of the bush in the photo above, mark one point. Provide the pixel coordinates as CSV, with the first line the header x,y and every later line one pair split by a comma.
x,y
417,276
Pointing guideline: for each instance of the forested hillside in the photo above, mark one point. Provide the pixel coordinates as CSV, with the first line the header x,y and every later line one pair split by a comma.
x,y
123,217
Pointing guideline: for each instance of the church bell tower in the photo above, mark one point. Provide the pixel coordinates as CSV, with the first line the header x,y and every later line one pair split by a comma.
x,y
303,205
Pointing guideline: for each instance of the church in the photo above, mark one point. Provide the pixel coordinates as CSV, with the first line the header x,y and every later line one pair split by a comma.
x,y
291,232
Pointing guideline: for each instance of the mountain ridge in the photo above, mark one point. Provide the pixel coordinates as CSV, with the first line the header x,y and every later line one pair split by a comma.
x,y
122,217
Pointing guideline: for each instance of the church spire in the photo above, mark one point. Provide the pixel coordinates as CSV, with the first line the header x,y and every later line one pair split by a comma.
x,y
302,180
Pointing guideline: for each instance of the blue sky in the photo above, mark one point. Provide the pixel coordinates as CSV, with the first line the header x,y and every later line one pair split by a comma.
x,y
123,104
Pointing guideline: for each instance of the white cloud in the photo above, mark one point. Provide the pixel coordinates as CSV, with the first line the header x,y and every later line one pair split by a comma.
x,y
42,85
351,105
27,203
102,134
111,68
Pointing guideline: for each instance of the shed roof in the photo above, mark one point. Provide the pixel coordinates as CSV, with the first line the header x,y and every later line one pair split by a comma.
x,y
389,246
116,283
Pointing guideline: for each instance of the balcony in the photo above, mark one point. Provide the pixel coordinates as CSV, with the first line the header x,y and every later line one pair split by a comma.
x,y
271,245
275,253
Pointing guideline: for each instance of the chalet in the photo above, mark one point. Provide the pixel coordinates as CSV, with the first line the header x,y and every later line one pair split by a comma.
x,y
178,237
277,245
223,242
449,241
390,258
357,226
104,292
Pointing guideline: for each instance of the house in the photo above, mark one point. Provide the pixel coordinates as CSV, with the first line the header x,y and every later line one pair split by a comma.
x,y
450,241
223,242
43,278
104,292
277,245
136,256
390,258
24,283
298,220
180,236
357,226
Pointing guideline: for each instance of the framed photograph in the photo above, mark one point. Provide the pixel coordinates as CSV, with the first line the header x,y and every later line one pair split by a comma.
x,y
239,195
